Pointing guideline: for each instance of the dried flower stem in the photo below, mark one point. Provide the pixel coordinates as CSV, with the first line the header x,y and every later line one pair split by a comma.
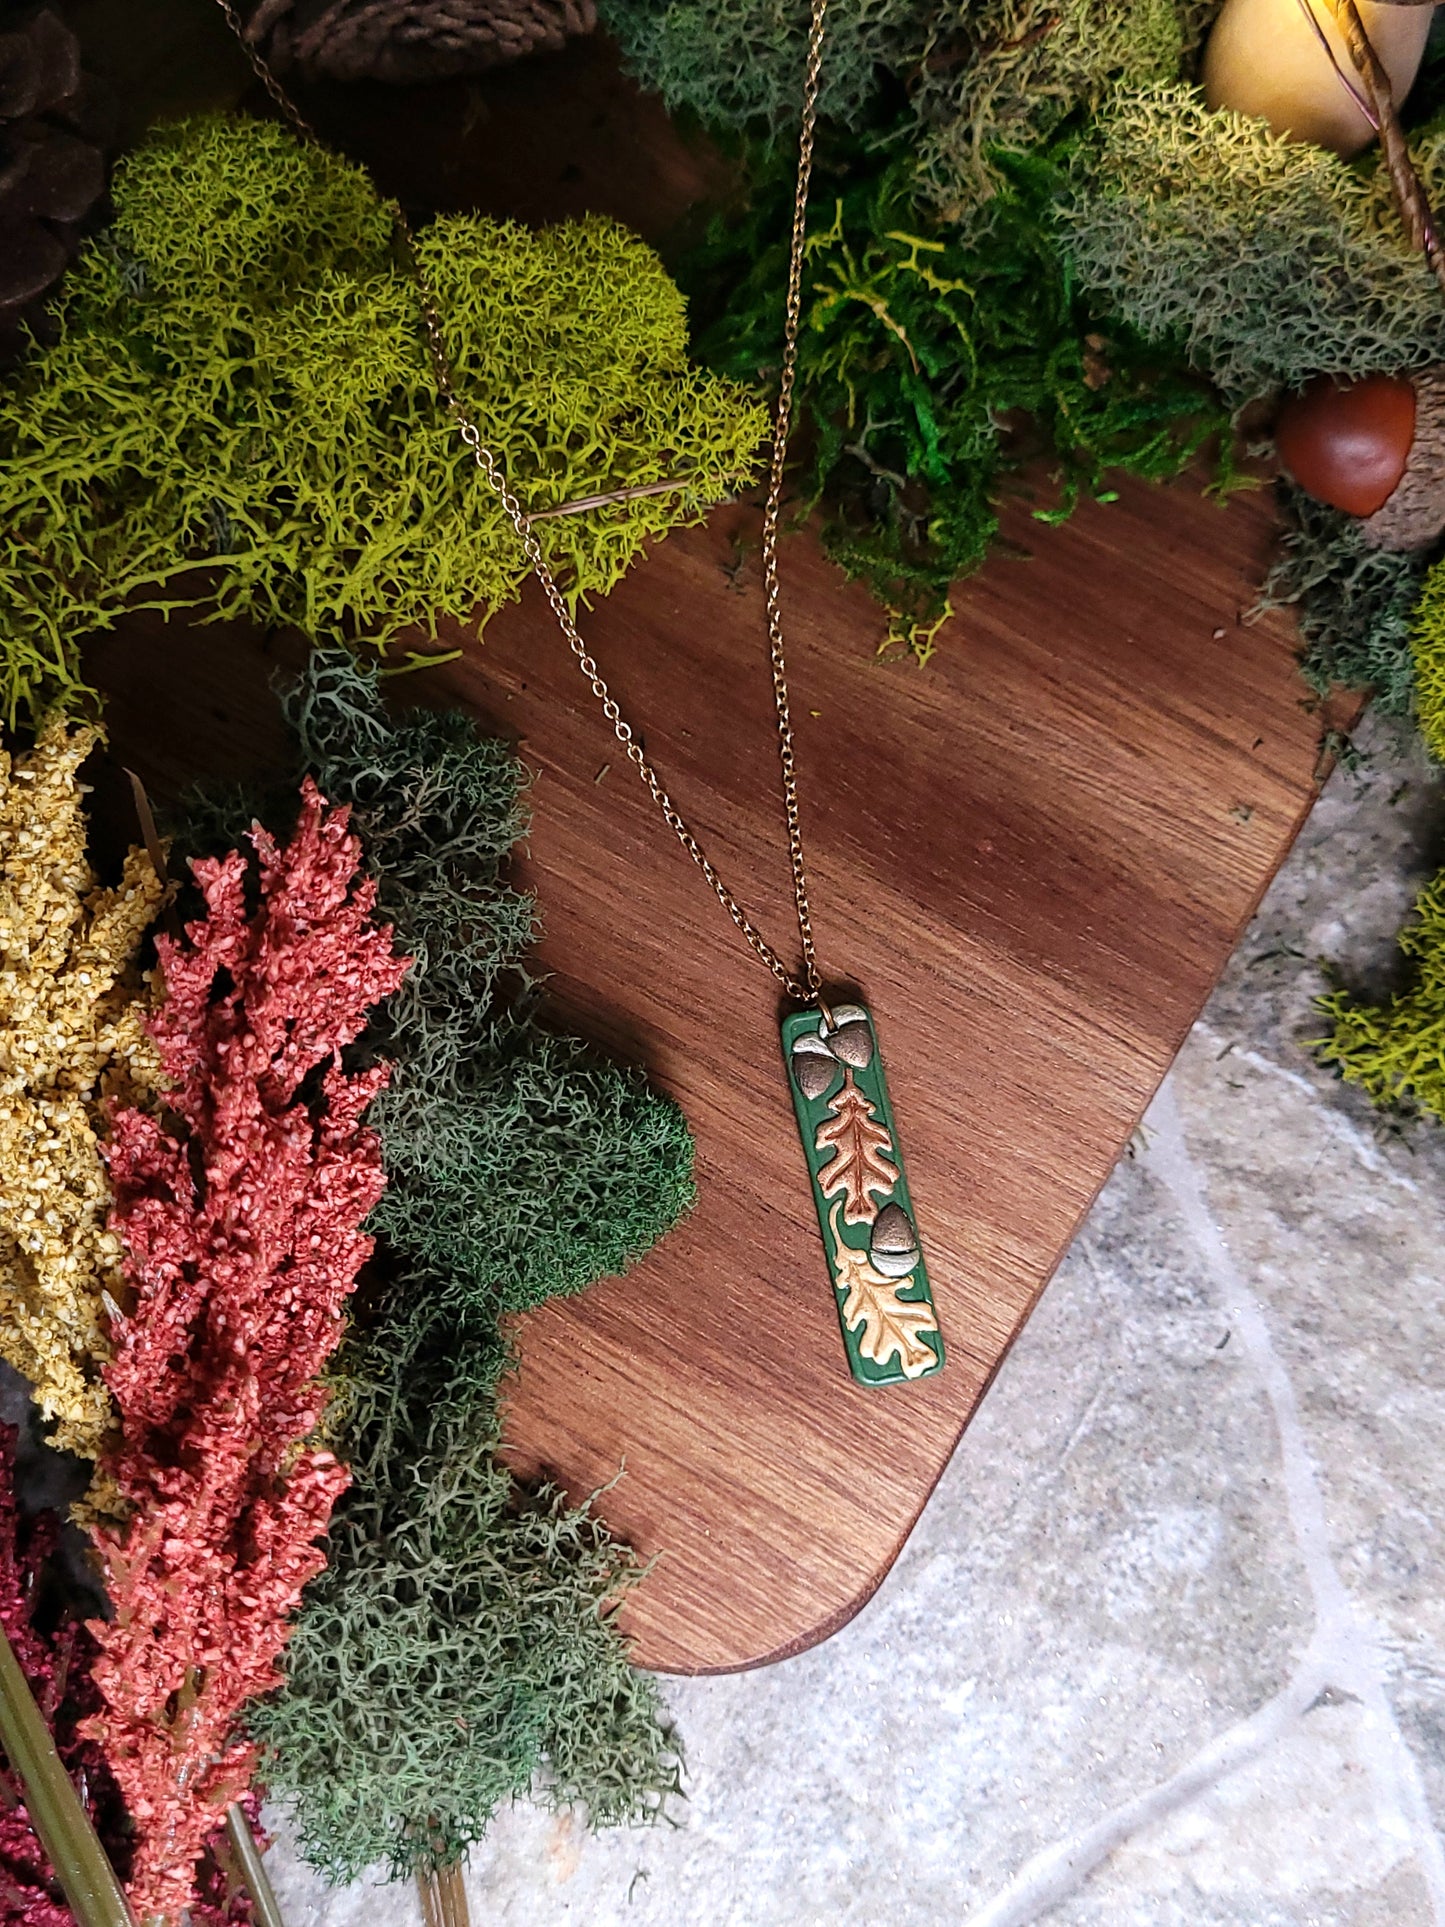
x,y
1410,196
60,1821
443,1896
240,1211
71,1004
581,503
252,1868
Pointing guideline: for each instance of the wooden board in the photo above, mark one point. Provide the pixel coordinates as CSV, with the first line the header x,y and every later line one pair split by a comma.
x,y
1032,857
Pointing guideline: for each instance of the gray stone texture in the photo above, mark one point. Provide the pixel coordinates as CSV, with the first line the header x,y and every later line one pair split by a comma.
x,y
1167,1648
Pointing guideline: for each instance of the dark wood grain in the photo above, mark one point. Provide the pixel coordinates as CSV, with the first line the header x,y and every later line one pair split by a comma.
x,y
1033,857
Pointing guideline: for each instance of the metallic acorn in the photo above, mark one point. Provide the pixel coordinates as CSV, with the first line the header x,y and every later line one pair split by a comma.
x,y
851,1038
893,1243
852,1044
814,1067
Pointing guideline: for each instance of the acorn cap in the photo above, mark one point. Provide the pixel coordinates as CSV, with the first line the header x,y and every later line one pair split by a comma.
x,y
1414,513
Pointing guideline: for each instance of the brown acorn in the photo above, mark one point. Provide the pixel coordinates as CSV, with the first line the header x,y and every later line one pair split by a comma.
x,y
1374,448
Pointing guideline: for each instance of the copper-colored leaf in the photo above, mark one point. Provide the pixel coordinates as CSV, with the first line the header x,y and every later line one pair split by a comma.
x,y
884,1322
862,1160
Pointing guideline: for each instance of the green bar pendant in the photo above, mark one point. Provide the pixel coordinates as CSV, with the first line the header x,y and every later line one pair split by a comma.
x,y
866,1215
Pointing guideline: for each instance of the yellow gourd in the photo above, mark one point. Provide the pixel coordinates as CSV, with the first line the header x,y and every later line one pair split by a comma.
x,y
1264,58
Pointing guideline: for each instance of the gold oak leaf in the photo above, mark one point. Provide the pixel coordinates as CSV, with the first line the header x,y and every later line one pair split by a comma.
x,y
889,1323
861,1148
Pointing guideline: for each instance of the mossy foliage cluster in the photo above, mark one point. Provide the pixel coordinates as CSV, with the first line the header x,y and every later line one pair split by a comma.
x,y
238,412
952,83
738,64
920,340
1396,1050
1270,260
1039,218
1003,77
1355,605
459,1648
946,337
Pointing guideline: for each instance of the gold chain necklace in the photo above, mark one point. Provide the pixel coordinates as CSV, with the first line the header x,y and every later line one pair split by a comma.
x,y
836,1077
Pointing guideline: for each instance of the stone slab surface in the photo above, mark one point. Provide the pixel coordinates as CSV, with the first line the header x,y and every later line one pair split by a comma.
x,y
1167,1648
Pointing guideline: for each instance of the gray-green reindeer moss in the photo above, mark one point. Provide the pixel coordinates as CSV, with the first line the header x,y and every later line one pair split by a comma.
x,y
1269,259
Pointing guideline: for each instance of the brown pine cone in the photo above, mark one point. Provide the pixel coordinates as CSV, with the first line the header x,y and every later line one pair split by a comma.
x,y
407,40
53,122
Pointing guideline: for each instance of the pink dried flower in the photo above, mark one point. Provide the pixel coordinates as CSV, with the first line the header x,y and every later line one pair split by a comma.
x,y
240,1211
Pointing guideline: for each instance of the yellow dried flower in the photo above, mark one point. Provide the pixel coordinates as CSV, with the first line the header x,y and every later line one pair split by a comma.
x,y
71,1038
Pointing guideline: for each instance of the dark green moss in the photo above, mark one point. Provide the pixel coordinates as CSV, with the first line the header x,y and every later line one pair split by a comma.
x,y
934,358
1354,604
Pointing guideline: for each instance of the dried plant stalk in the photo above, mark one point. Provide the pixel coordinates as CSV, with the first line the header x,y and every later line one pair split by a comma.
x,y
1410,196
251,1867
60,1821
443,1896
240,1210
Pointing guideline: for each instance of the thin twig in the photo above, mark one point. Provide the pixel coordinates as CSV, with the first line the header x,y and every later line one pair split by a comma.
x,y
1367,112
1410,196
251,1867
585,502
443,1896
61,1822
454,1896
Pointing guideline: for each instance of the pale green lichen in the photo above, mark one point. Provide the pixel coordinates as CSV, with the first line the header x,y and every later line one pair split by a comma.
x,y
1006,76
965,79
1271,260
238,413
739,63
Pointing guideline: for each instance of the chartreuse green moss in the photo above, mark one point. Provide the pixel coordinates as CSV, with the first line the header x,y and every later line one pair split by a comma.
x,y
1396,1050
238,414
1427,642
